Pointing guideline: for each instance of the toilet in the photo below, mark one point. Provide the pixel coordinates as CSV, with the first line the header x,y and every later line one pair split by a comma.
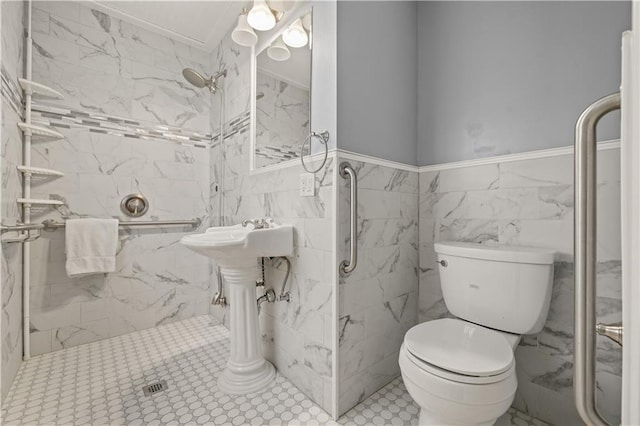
x,y
461,371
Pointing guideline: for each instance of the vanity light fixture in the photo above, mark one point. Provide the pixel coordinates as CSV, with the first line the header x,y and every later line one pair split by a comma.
x,y
243,34
278,51
306,24
295,35
260,16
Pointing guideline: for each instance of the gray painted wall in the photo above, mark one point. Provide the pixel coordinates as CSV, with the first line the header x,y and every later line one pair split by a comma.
x,y
377,74
499,77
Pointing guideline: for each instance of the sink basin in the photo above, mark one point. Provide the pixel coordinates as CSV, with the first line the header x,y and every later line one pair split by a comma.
x,y
236,250
232,242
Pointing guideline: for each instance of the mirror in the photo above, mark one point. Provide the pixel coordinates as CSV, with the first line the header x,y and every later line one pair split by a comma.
x,y
281,95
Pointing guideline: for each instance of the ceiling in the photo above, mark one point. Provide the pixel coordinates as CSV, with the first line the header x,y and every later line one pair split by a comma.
x,y
198,23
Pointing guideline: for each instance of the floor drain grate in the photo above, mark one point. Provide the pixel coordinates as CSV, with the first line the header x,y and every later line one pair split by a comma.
x,y
154,388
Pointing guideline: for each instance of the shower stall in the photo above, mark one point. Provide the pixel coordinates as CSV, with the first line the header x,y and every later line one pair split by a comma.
x,y
102,121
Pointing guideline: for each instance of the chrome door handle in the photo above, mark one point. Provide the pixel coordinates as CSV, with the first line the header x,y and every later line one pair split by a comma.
x,y
612,331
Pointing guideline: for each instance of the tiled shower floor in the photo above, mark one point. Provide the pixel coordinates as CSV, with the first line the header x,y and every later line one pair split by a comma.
x,y
101,384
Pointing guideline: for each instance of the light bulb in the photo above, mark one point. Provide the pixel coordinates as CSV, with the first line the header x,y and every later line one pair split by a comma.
x,y
260,16
295,35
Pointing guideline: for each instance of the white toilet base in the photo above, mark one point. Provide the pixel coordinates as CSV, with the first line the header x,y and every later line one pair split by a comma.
x,y
430,419
453,403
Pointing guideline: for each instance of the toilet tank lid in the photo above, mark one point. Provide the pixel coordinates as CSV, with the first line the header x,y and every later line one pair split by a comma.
x,y
497,252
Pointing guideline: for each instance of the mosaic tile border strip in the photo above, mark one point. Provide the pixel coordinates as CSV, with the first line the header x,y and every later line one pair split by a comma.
x,y
12,93
237,125
276,152
65,117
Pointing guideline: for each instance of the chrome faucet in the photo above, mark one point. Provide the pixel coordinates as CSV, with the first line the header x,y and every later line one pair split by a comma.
x,y
257,223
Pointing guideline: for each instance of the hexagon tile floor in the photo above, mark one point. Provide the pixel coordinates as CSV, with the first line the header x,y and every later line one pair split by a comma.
x,y
101,384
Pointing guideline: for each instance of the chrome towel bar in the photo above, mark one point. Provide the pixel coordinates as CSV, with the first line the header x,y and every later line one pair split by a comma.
x,y
347,172
585,251
51,225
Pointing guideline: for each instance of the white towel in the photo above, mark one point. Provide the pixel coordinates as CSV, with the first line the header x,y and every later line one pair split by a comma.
x,y
91,246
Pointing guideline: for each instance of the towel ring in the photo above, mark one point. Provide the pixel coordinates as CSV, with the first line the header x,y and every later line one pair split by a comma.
x,y
323,136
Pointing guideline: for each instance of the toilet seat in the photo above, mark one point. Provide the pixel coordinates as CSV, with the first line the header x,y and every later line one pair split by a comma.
x,y
459,351
455,377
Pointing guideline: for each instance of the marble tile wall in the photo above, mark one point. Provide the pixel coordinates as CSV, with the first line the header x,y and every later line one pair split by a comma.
x,y
282,120
378,302
530,202
298,335
121,77
105,65
10,156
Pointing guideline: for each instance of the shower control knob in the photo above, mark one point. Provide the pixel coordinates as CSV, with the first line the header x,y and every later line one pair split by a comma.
x,y
134,205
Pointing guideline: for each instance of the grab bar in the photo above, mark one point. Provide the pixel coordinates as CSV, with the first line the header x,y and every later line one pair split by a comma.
x,y
347,172
584,246
24,231
20,227
51,225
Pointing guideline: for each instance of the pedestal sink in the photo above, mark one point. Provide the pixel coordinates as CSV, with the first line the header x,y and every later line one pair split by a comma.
x,y
236,249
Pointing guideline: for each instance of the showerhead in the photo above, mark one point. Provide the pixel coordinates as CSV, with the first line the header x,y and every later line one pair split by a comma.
x,y
200,81
194,77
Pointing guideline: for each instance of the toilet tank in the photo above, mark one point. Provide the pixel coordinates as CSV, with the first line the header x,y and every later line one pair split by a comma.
x,y
503,287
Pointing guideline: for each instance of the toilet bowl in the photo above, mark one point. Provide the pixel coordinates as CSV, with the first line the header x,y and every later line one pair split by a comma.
x,y
462,371
455,378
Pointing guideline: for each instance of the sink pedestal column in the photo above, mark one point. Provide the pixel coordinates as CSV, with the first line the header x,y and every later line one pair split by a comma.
x,y
247,371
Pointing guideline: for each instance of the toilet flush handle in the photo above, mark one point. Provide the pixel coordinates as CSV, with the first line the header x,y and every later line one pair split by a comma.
x,y
443,263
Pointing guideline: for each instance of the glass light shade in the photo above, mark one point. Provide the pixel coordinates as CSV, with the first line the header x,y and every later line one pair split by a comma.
x,y
278,51
306,22
295,35
243,34
260,16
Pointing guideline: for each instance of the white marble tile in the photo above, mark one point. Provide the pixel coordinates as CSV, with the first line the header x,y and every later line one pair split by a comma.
x,y
429,182
360,295
556,234
469,178
79,334
374,204
372,176
40,342
550,171
608,164
54,317
608,227
469,230
54,49
70,9
12,15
